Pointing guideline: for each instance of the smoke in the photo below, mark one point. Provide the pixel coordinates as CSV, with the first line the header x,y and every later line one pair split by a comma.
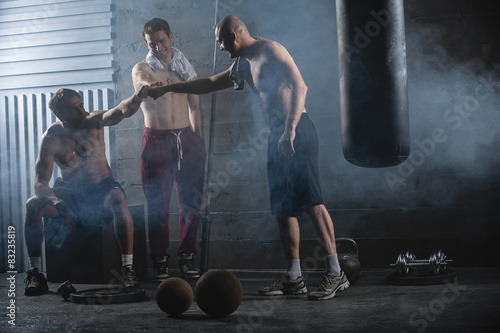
x,y
453,103
453,106
459,97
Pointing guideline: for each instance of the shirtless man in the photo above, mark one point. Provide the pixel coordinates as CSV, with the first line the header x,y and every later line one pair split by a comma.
x,y
76,145
173,150
293,148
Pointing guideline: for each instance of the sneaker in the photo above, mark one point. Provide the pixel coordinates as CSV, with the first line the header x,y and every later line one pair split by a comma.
x,y
36,283
329,286
160,268
285,286
128,277
187,267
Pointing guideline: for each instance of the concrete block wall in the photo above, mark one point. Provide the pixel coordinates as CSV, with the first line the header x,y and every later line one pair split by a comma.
x,y
444,199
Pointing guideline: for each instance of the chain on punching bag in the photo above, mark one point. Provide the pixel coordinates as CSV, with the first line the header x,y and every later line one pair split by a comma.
x,y
373,90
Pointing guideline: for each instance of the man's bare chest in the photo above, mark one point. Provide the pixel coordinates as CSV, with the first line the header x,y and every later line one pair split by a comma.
x,y
82,144
262,77
165,75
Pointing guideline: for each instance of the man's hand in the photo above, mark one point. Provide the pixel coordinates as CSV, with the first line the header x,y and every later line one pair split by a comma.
x,y
285,145
66,214
157,92
142,93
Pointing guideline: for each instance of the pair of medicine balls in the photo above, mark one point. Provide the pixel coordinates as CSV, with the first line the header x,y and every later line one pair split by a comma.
x,y
218,293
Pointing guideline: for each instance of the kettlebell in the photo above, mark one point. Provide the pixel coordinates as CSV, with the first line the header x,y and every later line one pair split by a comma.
x,y
349,261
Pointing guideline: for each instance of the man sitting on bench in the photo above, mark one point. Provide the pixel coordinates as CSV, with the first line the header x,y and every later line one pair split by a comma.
x,y
76,145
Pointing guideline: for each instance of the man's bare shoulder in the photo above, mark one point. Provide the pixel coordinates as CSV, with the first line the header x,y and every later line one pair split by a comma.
x,y
55,129
53,135
272,47
276,54
142,66
94,119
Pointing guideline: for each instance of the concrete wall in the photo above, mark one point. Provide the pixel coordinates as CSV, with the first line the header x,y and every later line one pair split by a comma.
x,y
445,196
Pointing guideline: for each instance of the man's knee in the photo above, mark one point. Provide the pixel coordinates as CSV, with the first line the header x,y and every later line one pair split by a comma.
x,y
32,204
36,206
286,220
115,198
316,209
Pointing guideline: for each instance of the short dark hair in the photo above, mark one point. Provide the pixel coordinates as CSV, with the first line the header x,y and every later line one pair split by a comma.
x,y
58,102
155,25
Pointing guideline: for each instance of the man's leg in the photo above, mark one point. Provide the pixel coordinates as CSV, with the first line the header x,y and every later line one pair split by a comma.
x,y
290,240
289,236
292,282
158,168
36,283
189,190
33,225
334,279
116,202
323,225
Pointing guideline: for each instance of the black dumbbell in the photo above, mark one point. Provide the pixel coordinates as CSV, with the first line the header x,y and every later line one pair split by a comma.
x,y
437,262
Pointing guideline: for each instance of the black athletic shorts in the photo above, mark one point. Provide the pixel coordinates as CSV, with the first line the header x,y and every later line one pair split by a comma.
x,y
86,199
294,181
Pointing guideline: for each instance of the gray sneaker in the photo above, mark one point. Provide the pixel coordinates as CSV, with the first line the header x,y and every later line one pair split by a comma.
x,y
329,286
187,267
285,286
160,268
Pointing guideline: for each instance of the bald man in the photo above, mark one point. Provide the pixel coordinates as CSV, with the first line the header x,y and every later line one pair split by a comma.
x,y
292,165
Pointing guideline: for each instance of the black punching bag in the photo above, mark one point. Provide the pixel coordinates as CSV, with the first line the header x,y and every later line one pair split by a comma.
x,y
373,91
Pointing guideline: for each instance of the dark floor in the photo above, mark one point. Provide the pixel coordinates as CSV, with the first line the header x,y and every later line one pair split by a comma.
x,y
470,303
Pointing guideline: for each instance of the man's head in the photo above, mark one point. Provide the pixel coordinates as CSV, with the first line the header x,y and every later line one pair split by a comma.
x,y
158,37
231,33
67,105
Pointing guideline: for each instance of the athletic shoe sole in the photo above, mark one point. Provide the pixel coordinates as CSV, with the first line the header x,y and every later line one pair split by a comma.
x,y
281,292
341,287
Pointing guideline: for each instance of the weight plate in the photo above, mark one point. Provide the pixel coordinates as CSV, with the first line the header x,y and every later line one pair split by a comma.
x,y
420,278
103,296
